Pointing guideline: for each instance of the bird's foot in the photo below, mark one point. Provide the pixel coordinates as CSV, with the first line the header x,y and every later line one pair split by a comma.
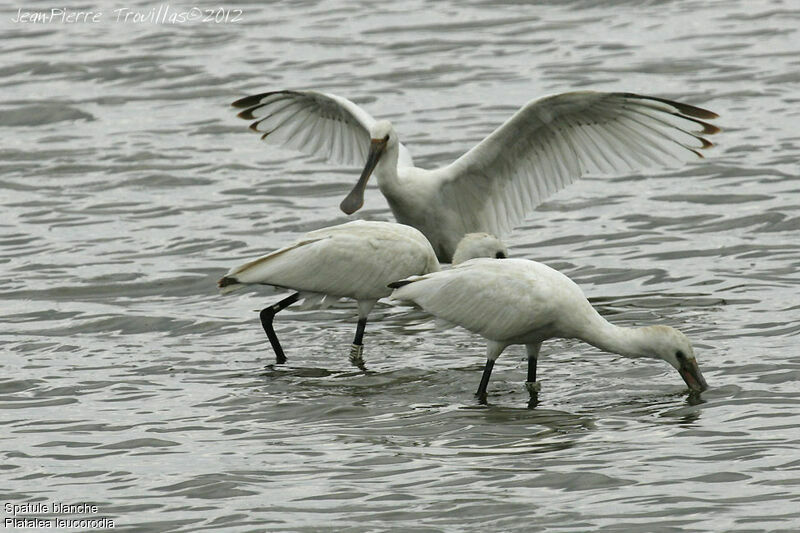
x,y
533,387
355,356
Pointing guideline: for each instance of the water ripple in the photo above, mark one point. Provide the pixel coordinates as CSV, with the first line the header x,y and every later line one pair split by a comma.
x,y
128,187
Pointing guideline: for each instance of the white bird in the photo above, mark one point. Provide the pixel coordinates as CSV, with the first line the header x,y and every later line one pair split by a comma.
x,y
517,301
354,260
543,147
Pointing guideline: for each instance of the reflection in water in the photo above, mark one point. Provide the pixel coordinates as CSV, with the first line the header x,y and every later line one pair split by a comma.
x,y
533,401
695,398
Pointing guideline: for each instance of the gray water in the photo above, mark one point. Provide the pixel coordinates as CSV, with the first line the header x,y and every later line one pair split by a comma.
x,y
128,187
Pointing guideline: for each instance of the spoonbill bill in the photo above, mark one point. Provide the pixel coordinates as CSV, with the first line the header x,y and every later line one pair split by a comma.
x,y
518,301
543,147
355,260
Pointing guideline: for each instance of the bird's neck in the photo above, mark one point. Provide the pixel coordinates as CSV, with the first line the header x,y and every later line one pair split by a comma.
x,y
386,169
628,342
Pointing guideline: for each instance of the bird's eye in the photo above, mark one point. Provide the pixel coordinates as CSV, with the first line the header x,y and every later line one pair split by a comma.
x,y
500,255
386,139
680,355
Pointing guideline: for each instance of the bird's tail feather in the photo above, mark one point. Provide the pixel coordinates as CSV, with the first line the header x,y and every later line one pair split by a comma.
x,y
401,283
228,284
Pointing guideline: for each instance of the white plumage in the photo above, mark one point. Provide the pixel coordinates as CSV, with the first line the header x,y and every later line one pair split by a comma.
x,y
356,260
546,145
517,301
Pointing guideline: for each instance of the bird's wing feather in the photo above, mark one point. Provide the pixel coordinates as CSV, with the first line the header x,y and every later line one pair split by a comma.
x,y
314,123
357,259
554,140
498,299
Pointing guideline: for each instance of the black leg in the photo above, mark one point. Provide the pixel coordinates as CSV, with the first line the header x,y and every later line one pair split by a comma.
x,y
487,373
360,326
267,314
532,368
531,384
358,344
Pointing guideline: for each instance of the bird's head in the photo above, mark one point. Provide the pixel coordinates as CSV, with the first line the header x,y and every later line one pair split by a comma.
x,y
673,347
474,245
382,131
382,139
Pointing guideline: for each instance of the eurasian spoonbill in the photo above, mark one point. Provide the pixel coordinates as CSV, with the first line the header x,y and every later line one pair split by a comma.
x,y
518,301
546,145
354,260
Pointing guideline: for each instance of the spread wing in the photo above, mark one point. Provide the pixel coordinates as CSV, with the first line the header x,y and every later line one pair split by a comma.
x,y
312,122
554,140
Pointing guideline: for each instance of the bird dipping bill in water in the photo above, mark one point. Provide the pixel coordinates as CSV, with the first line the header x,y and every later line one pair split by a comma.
x,y
517,301
546,145
354,260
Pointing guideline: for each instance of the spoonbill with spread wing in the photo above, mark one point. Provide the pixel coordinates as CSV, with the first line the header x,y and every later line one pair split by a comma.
x,y
354,260
543,147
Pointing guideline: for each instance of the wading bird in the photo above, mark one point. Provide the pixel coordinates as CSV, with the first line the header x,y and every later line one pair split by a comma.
x,y
518,301
354,260
543,147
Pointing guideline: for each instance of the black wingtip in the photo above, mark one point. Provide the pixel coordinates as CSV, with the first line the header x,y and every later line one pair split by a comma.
x,y
227,281
709,129
692,111
249,101
255,99
401,283
686,109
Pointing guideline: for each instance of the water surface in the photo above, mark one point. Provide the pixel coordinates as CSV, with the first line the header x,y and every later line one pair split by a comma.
x,y
128,187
